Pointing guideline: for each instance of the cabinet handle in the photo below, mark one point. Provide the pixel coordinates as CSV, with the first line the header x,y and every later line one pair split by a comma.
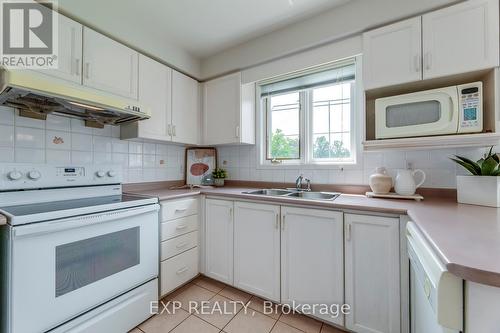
x,y
169,129
180,227
428,61
237,131
180,210
277,221
416,61
77,67
231,212
182,270
181,245
283,222
348,231
173,130
87,70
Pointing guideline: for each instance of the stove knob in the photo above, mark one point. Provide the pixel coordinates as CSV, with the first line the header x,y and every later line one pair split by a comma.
x,y
14,175
34,175
111,173
100,174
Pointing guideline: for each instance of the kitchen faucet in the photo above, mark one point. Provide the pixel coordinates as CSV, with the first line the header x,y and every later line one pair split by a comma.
x,y
298,183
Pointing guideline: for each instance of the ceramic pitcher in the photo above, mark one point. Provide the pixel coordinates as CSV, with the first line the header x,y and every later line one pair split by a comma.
x,y
405,181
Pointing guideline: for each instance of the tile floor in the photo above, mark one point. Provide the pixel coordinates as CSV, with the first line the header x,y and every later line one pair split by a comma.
x,y
219,295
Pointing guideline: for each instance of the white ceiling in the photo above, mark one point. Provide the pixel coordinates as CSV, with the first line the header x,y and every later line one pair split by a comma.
x,y
201,27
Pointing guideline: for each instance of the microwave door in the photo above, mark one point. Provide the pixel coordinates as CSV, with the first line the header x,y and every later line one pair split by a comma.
x,y
419,114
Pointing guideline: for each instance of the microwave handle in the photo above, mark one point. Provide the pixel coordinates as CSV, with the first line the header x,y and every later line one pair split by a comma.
x,y
80,221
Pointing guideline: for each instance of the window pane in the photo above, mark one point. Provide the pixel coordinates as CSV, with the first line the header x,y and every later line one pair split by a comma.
x,y
284,127
331,121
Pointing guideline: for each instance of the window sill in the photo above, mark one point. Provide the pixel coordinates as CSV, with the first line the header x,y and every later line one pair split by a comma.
x,y
310,166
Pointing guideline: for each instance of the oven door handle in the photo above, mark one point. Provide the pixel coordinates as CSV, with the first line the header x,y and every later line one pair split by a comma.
x,y
81,221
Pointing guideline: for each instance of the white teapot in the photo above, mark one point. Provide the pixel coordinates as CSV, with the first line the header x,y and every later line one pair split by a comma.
x,y
405,181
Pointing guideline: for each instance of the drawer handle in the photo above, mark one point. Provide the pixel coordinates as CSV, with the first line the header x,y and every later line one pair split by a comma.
x,y
180,227
182,270
181,245
180,210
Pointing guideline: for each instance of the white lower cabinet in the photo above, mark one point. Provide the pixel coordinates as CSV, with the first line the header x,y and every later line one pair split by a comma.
x,y
312,258
178,270
257,249
219,240
372,273
179,258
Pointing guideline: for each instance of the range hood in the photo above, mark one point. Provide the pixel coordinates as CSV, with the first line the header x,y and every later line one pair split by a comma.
x,y
36,95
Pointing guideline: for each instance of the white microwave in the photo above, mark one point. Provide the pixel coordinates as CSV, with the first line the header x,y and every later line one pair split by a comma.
x,y
450,110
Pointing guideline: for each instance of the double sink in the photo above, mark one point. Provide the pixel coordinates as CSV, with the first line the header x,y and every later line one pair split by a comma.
x,y
323,196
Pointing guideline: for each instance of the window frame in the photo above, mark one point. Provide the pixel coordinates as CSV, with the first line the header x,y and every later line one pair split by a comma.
x,y
306,160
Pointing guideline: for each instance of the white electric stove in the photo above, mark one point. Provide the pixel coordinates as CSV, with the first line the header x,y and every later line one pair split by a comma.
x,y
77,254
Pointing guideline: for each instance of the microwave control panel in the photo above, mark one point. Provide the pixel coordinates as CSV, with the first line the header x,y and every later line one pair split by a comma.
x,y
471,105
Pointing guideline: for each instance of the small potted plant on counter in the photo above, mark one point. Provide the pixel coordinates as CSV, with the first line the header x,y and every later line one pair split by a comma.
x,y
483,186
219,175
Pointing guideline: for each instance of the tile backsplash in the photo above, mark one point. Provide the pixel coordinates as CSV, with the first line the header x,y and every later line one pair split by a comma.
x,y
241,163
65,140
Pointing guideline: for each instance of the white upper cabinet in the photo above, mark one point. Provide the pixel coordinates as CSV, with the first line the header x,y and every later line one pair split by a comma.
x,y
185,109
312,258
109,65
228,111
372,274
454,40
257,249
461,38
392,54
219,230
69,51
155,93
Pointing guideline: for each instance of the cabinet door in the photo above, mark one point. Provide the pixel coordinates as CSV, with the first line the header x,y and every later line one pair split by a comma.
x,y
257,249
312,258
69,51
219,240
155,89
372,273
392,54
222,107
109,65
185,109
461,38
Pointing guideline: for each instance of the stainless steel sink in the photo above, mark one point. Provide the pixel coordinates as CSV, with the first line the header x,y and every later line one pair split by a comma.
x,y
270,192
295,194
314,195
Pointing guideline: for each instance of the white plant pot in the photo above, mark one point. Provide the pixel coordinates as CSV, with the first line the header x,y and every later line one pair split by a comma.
x,y
479,190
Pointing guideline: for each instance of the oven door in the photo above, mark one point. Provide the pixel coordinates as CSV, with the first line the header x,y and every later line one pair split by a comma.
x,y
62,268
432,112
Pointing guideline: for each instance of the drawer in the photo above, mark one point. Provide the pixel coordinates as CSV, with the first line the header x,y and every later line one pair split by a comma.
x,y
174,228
174,246
178,270
178,208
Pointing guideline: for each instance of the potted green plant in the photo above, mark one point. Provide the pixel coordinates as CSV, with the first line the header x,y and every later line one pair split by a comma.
x,y
219,175
482,187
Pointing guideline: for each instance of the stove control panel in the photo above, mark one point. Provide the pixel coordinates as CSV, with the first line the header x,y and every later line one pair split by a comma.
x,y
18,176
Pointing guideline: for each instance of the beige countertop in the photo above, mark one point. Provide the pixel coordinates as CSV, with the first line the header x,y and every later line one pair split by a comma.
x,y
466,237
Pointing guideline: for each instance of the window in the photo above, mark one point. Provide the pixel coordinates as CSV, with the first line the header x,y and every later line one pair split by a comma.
x,y
309,117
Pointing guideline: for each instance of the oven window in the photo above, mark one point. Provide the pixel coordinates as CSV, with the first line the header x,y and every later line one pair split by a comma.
x,y
410,114
86,261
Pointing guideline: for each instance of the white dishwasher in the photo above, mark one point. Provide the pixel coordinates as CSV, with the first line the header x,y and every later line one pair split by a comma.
x,y
436,295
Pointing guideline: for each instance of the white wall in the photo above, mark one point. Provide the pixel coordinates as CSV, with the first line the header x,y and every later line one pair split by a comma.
x,y
346,20
241,163
27,140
